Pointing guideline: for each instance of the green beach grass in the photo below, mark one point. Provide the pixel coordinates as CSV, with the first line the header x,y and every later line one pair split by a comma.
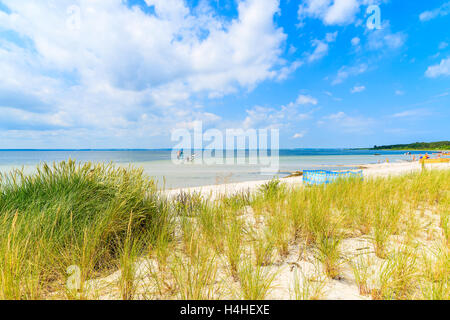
x,y
69,214
109,221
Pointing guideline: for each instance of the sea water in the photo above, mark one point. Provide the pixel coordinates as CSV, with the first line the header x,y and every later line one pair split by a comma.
x,y
158,163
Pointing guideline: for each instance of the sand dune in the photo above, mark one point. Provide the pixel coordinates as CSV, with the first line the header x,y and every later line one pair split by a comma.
x,y
298,261
370,170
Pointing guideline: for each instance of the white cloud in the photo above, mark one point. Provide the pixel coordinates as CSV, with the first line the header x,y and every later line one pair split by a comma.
x,y
412,113
331,37
321,47
304,99
336,12
270,118
346,72
26,119
442,11
357,89
282,117
292,49
342,12
395,40
442,69
350,124
320,51
299,135
399,92
123,69
336,116
286,71
384,39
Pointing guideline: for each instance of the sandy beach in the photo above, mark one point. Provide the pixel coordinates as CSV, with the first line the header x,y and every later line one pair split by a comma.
x,y
369,170
297,259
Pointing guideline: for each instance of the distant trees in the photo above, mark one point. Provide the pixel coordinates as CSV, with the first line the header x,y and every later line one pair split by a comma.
x,y
439,145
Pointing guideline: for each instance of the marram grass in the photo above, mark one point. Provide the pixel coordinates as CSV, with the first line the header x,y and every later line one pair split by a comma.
x,y
105,219
70,214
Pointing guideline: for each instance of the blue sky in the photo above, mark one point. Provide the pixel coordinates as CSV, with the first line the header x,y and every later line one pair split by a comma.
x,y
124,74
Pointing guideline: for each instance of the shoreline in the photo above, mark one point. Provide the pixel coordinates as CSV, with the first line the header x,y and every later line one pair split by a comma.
x,y
369,171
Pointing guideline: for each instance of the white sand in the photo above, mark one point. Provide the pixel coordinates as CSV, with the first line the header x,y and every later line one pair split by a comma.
x,y
371,170
343,288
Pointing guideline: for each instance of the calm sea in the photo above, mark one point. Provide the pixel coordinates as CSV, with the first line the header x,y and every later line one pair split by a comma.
x,y
158,164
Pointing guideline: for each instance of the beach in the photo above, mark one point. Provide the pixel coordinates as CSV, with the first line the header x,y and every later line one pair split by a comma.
x,y
298,264
224,151
382,237
369,170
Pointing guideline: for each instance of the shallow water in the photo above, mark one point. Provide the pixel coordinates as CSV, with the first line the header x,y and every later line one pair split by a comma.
x,y
158,164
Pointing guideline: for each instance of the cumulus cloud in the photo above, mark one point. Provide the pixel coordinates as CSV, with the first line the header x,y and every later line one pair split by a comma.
x,y
286,116
336,12
305,99
441,69
105,65
384,39
13,118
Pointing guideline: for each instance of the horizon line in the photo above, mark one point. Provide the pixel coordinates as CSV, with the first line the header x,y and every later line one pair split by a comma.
x,y
168,149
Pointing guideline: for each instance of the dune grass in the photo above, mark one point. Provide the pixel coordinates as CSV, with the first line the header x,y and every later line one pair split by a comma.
x,y
308,287
104,219
70,214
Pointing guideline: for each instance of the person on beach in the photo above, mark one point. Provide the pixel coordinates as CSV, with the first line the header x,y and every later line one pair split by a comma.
x,y
180,154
